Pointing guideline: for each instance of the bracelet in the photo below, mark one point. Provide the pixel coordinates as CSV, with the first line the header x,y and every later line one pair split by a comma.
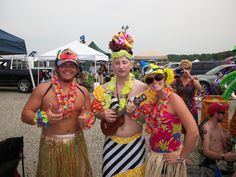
x,y
97,106
41,119
179,159
91,117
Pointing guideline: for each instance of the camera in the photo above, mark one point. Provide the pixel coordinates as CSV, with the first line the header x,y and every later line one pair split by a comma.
x,y
179,71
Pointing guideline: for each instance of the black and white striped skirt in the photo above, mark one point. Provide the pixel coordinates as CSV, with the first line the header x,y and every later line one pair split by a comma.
x,y
122,154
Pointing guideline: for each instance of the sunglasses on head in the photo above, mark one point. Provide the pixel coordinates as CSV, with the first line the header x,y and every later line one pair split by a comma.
x,y
157,77
221,112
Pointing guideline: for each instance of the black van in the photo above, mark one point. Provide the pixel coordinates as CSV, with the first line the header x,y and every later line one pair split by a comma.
x,y
202,67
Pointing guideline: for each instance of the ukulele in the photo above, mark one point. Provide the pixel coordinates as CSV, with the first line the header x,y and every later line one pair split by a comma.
x,y
110,128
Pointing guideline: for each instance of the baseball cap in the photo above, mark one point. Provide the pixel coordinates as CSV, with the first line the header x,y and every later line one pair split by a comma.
x,y
217,107
65,56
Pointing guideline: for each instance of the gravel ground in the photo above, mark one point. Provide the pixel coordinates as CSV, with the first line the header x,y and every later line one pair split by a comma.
x,y
11,104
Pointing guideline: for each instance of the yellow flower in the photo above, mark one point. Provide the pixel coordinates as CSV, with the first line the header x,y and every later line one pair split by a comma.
x,y
103,96
112,84
107,101
122,103
99,93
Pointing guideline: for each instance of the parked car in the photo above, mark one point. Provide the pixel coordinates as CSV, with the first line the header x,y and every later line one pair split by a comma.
x,y
208,80
202,67
15,73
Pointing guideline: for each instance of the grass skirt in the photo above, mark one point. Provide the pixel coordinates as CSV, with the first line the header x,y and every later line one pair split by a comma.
x,y
156,167
63,156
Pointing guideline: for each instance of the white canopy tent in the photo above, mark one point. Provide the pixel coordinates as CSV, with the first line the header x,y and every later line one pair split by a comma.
x,y
84,52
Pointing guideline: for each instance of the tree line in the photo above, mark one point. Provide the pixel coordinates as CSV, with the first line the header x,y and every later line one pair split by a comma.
x,y
202,57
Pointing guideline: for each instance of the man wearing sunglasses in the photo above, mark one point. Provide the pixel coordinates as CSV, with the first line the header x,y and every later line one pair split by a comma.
x,y
216,141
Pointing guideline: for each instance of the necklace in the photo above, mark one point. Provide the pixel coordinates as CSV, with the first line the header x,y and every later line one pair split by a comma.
x,y
164,101
66,102
156,112
112,85
104,97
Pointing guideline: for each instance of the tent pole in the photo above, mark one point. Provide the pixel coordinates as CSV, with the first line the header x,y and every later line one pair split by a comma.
x,y
38,73
96,70
30,71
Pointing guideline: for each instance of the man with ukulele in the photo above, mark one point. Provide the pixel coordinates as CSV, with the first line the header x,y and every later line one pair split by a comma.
x,y
124,146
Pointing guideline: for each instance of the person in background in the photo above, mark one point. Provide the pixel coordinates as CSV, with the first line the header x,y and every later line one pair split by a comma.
x,y
124,147
100,76
57,106
164,116
186,86
92,70
215,141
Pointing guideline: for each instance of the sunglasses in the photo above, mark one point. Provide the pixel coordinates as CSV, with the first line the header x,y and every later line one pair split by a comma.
x,y
157,77
221,112
187,68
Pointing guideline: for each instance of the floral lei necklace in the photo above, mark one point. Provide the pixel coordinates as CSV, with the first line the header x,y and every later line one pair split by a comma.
x,y
66,102
157,112
164,101
124,92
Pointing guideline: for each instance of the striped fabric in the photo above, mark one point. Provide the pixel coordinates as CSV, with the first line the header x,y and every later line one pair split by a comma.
x,y
118,158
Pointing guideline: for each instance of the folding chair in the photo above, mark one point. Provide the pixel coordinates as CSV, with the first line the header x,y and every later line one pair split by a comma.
x,y
11,152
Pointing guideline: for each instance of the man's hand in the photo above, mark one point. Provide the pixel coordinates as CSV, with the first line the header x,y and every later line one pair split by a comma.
x,y
230,156
54,114
131,107
109,115
83,118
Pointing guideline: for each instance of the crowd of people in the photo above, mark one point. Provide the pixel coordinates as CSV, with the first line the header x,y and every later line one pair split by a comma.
x,y
162,104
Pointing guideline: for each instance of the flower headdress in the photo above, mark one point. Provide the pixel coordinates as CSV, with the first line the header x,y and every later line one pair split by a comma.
x,y
121,45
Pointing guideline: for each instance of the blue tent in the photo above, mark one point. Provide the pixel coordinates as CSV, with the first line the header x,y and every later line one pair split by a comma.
x,y
10,44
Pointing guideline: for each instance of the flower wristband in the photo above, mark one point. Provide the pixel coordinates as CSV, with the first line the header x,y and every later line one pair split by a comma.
x,y
91,117
41,119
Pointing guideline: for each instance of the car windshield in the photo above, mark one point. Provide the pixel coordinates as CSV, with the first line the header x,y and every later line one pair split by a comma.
x,y
221,69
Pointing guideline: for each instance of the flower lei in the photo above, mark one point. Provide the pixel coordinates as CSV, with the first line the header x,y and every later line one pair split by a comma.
x,y
162,106
104,99
164,101
121,53
66,102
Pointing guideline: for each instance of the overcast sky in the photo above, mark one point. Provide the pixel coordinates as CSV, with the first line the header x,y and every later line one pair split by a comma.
x,y
167,26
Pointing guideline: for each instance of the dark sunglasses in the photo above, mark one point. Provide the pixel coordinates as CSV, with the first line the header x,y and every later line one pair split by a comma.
x,y
221,112
157,77
187,68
